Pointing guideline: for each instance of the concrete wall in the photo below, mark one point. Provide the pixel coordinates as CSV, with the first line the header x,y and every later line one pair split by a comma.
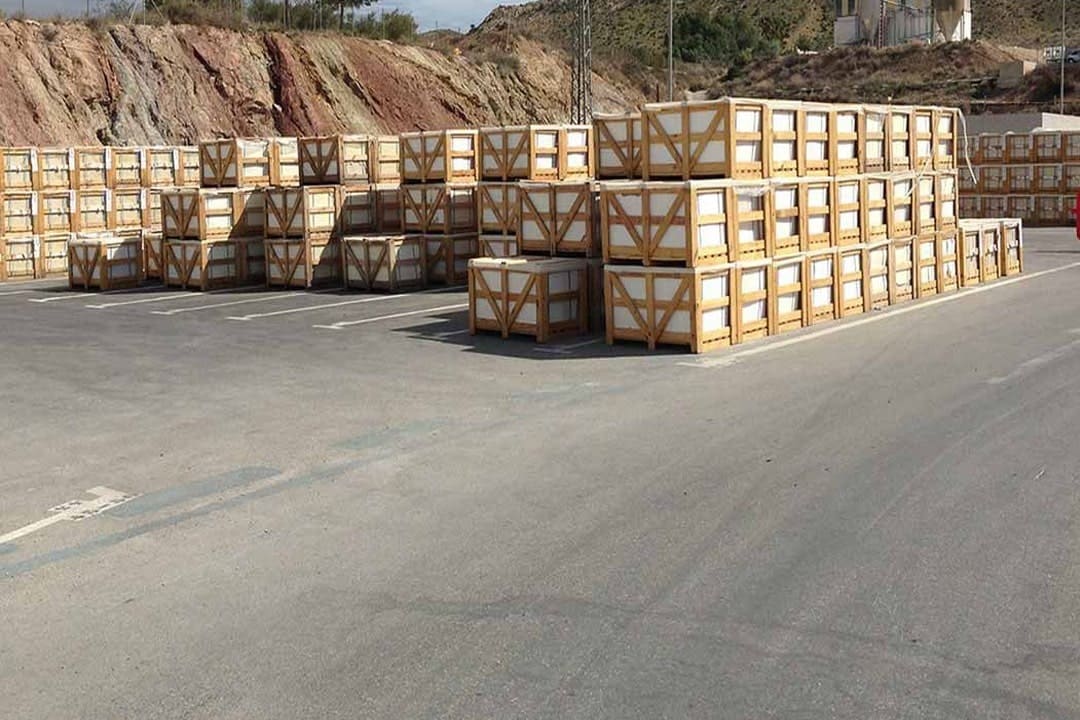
x,y
1021,122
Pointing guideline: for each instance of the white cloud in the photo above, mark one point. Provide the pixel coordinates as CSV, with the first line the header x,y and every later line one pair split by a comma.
x,y
457,14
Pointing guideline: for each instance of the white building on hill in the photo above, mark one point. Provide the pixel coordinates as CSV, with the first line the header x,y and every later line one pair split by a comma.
x,y
894,22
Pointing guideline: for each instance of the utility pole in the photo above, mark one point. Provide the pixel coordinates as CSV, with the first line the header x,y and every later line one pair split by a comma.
x,y
671,51
1064,52
581,80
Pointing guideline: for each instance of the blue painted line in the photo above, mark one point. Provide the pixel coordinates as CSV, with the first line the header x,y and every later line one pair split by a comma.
x,y
161,499
7,548
376,438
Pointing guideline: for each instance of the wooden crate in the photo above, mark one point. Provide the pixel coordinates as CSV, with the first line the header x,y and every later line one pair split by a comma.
x,y
301,211
845,149
926,204
994,180
990,248
18,169
499,206
847,211
1071,179
523,296
970,206
56,212
926,265
945,187
1012,246
618,146
968,180
969,238
284,162
1021,206
52,255
130,209
164,167
448,257
784,132
901,205
903,277
498,246
439,209
1070,146
1020,148
948,261
153,253
388,209
385,154
202,265
851,280
875,205
336,160
716,139
56,169
237,162
788,307
595,269
994,206
819,214
992,149
901,131
93,210
21,255
91,168
251,259
877,262
303,262
786,219
359,209
750,204
1049,179
753,288
108,262
923,138
968,147
190,166
1052,210
694,307
129,168
211,214
153,209
685,223
874,139
1049,147
558,218
946,132
384,262
544,153
444,156
1020,179
19,214
816,125
822,276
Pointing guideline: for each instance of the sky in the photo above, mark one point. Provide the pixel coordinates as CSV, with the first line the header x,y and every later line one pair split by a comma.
x,y
457,14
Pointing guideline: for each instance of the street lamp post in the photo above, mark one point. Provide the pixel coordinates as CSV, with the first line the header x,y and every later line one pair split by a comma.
x,y
1064,53
671,51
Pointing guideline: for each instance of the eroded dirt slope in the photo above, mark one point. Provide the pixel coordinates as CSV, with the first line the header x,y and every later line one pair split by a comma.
x,y
69,83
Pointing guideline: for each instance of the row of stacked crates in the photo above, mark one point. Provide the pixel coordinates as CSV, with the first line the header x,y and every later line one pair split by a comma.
x,y
1034,176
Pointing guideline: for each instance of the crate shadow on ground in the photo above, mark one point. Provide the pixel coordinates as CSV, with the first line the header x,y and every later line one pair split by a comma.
x,y
452,328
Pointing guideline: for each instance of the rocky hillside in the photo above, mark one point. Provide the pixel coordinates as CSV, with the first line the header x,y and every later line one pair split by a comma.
x,y
69,83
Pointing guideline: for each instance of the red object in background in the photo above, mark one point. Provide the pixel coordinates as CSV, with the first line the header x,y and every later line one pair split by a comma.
x,y
1076,213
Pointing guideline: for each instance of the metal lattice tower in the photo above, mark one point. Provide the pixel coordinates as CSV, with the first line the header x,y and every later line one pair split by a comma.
x,y
581,102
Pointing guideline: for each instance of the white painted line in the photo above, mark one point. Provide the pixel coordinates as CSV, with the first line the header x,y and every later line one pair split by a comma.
x,y
413,313
173,295
105,498
1035,362
272,296
843,325
344,303
77,295
566,349
16,292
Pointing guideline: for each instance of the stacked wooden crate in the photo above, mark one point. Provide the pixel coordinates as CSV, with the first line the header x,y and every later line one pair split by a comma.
x,y
753,217
1033,176
540,233
439,173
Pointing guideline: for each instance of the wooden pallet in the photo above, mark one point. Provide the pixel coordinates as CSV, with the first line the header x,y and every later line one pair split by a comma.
x,y
542,298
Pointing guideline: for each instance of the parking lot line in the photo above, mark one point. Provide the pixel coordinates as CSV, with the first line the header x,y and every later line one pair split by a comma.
x,y
566,349
426,311
172,296
76,296
15,292
344,303
198,308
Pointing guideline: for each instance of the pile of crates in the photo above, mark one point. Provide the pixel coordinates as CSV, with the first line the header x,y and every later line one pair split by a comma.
x,y
52,196
1034,176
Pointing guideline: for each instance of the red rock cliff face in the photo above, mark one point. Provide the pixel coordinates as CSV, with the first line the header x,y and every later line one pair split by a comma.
x,y
70,84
